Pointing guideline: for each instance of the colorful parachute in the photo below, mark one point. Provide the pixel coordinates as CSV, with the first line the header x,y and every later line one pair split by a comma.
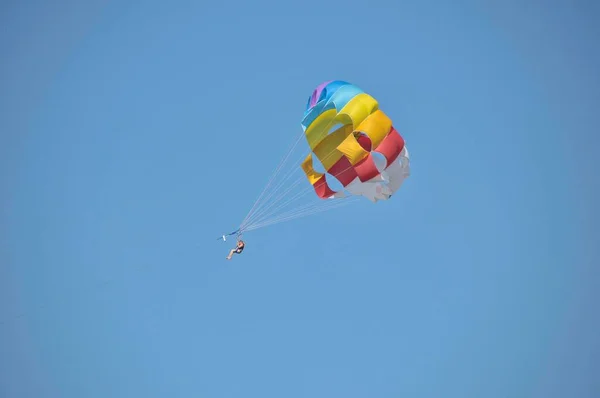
x,y
351,143
354,141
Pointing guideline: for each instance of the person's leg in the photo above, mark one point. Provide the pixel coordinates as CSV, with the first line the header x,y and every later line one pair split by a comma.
x,y
230,254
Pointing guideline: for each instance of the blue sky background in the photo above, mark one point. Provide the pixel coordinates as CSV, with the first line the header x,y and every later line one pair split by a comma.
x,y
134,133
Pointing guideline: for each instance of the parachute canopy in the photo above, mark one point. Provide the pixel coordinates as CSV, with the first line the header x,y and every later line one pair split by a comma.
x,y
354,141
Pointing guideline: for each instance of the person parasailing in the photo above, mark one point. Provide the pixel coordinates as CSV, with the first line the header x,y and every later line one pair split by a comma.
x,y
238,249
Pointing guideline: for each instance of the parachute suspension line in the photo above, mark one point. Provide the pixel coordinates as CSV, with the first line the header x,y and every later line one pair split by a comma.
x,y
257,214
322,203
260,216
273,175
265,205
306,209
296,214
264,214
299,180
272,178
257,204
297,195
260,209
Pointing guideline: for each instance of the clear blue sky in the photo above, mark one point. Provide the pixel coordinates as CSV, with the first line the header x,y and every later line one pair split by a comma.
x,y
130,141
